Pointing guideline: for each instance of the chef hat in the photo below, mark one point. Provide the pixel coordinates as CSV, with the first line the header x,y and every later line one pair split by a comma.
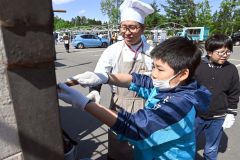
x,y
135,10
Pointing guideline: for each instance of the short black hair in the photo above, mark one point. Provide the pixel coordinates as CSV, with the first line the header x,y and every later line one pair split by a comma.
x,y
180,53
218,41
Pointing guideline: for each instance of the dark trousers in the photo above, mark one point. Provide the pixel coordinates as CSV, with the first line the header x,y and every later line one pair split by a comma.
x,y
66,46
212,130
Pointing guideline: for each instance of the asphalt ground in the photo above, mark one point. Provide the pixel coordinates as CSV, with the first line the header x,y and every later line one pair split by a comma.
x,y
91,134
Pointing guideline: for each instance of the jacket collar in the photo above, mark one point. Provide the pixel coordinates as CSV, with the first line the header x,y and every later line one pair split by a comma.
x,y
212,64
197,94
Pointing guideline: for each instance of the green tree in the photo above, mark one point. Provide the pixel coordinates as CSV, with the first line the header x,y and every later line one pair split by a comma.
x,y
154,19
111,9
236,17
61,24
189,13
224,19
78,21
84,20
203,14
214,24
182,12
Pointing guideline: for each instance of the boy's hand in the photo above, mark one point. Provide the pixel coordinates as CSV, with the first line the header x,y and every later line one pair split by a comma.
x,y
90,79
72,96
229,121
94,96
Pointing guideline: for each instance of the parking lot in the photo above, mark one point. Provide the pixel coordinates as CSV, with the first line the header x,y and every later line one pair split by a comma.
x,y
90,133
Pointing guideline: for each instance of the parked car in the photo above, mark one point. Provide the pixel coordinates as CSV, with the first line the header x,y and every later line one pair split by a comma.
x,y
89,40
236,38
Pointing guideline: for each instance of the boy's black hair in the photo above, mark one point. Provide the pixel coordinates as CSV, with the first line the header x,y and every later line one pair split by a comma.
x,y
218,41
180,53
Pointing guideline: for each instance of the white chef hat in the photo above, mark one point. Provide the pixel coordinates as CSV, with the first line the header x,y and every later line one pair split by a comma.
x,y
135,10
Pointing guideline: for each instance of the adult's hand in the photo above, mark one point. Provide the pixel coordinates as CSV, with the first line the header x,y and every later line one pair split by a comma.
x,y
90,79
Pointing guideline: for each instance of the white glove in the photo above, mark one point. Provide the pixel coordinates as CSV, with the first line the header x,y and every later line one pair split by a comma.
x,y
90,79
148,74
229,121
94,96
72,96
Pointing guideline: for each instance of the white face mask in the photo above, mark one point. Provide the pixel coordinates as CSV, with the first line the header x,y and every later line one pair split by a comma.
x,y
164,84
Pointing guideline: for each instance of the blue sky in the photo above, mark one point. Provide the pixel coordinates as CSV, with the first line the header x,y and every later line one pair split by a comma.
x,y
91,8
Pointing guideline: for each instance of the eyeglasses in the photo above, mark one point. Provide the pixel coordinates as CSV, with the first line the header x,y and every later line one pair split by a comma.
x,y
130,28
228,52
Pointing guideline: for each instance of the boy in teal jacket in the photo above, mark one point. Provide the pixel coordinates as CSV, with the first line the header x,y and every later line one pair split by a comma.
x,y
164,129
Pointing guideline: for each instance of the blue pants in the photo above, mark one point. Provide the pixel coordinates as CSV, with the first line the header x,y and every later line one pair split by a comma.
x,y
213,133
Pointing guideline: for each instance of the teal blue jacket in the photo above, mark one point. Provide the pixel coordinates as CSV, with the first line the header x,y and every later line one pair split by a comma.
x,y
164,129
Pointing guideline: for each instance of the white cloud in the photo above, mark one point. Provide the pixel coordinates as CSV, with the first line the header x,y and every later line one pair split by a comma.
x,y
61,1
81,12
